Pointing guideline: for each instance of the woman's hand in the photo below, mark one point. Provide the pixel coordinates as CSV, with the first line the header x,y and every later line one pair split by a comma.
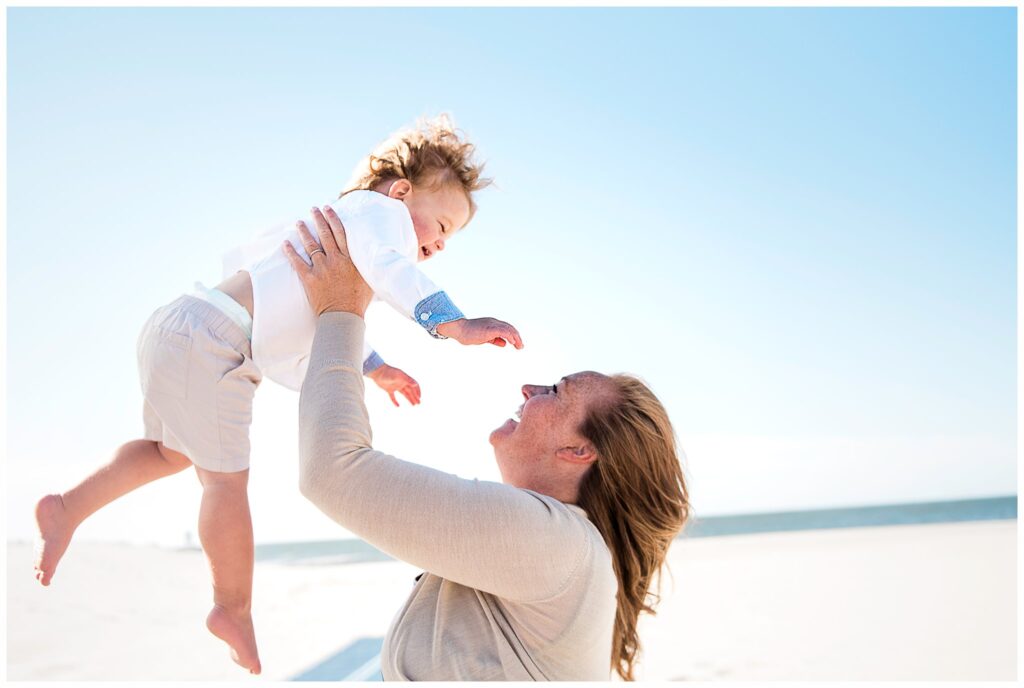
x,y
392,380
332,282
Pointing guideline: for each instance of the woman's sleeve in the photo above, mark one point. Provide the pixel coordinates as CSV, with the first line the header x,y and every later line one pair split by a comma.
x,y
493,537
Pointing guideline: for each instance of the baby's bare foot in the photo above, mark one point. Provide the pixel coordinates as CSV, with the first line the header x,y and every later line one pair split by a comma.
x,y
236,630
54,535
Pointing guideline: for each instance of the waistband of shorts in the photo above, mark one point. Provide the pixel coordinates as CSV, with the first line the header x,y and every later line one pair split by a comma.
x,y
218,321
227,305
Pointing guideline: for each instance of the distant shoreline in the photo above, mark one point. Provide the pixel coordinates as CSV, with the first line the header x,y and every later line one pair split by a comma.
x,y
353,550
988,509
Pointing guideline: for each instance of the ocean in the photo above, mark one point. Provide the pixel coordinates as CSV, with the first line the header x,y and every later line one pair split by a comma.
x,y
351,551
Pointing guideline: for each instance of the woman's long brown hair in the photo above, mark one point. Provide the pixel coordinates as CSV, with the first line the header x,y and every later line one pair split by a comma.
x,y
635,493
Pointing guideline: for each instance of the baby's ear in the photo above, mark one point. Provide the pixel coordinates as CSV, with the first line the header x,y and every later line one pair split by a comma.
x,y
400,188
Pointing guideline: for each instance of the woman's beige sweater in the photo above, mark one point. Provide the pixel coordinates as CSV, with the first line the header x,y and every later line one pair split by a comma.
x,y
518,585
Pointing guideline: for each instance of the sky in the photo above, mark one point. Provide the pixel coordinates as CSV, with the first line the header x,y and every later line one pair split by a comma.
x,y
797,225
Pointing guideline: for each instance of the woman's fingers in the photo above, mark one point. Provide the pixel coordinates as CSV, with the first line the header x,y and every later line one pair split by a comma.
x,y
323,231
333,283
337,230
298,264
308,242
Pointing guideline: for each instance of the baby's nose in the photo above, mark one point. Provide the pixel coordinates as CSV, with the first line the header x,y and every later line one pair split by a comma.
x,y
439,245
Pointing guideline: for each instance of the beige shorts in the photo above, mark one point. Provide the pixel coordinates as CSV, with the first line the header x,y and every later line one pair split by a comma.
x,y
198,381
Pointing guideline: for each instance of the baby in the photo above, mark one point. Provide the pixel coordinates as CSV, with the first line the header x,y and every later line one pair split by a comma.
x,y
202,356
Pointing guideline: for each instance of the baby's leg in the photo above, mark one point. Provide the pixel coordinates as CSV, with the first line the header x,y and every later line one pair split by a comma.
x,y
58,515
225,529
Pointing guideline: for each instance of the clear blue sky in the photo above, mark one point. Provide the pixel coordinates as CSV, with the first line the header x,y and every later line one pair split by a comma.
x,y
798,225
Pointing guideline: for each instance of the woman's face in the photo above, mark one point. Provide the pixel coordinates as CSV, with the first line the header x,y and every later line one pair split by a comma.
x,y
548,424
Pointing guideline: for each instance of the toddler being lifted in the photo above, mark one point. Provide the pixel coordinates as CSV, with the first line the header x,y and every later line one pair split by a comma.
x,y
202,356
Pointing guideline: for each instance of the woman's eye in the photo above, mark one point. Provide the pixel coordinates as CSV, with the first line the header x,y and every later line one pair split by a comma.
x,y
554,388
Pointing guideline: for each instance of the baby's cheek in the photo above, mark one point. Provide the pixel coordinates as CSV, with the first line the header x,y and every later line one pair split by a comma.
x,y
420,226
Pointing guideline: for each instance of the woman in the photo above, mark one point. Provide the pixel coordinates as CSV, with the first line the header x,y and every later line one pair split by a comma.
x,y
540,577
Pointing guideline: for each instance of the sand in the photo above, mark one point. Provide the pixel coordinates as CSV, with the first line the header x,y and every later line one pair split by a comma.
x,y
922,602
925,602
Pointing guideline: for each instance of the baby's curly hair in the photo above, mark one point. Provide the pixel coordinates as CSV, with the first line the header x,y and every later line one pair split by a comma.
x,y
432,155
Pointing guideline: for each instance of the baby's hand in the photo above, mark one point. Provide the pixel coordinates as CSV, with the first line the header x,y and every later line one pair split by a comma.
x,y
481,331
392,380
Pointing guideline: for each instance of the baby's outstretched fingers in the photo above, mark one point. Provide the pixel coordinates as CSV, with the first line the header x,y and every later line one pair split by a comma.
x,y
517,340
511,334
412,393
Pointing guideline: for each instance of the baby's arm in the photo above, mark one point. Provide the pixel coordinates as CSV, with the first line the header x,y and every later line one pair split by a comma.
x,y
392,380
376,248
389,378
481,331
401,281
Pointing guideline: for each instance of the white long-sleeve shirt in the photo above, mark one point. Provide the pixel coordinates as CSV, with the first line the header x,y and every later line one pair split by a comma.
x,y
384,248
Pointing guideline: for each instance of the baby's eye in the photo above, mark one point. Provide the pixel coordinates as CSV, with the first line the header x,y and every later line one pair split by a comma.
x,y
443,230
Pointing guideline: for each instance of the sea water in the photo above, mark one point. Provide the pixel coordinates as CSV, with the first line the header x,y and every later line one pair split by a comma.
x,y
333,552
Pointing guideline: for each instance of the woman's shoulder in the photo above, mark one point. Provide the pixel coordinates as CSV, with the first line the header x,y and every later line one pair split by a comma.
x,y
558,509
578,538
567,514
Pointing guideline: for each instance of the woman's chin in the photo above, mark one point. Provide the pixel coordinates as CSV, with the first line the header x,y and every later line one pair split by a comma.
x,y
506,429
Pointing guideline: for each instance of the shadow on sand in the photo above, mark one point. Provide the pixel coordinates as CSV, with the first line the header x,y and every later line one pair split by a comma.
x,y
360,661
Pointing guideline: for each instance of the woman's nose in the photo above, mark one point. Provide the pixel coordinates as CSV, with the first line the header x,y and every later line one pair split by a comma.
x,y
531,390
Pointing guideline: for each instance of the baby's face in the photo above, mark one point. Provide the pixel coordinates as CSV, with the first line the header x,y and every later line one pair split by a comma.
x,y
437,214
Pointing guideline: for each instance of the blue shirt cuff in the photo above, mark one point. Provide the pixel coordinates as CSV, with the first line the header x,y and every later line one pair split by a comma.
x,y
435,310
372,362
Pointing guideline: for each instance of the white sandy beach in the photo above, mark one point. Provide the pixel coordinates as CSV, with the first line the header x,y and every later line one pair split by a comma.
x,y
924,602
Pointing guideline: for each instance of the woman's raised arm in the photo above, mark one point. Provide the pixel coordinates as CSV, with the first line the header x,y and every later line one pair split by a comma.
x,y
493,537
